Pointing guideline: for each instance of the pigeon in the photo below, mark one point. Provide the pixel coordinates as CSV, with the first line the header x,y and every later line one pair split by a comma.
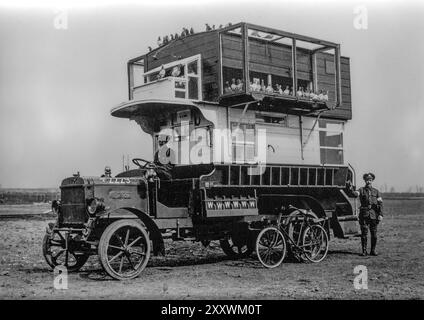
x,y
150,49
256,86
176,71
269,89
279,89
233,84
191,31
172,37
221,26
165,39
300,92
255,34
213,27
239,85
159,42
208,28
325,96
176,36
162,72
227,88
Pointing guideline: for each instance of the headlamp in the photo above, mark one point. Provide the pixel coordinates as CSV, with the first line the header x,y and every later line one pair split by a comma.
x,y
92,206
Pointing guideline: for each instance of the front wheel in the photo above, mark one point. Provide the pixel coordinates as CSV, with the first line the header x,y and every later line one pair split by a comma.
x,y
59,251
124,249
271,247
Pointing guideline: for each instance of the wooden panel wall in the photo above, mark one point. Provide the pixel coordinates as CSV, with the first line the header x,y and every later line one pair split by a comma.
x,y
206,44
264,57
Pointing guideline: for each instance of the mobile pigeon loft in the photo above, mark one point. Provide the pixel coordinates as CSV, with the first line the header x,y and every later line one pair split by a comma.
x,y
250,123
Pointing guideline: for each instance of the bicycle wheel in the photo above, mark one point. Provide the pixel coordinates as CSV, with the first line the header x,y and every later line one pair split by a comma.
x,y
270,247
315,243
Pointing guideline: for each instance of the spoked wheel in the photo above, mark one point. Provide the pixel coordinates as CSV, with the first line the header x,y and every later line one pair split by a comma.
x,y
124,249
271,247
315,243
235,251
58,252
295,230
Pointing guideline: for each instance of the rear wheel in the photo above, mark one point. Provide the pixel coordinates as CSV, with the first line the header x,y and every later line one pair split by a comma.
x,y
124,249
271,247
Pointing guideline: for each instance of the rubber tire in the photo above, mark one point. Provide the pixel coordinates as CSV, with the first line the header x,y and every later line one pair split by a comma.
x,y
80,262
284,246
104,242
326,239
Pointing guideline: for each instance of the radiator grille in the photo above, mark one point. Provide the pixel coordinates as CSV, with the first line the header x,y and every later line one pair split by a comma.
x,y
73,205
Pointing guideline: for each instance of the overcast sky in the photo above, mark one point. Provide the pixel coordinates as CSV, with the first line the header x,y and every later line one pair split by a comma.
x,y
58,86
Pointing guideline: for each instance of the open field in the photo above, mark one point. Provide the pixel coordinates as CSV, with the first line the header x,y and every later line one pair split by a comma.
x,y
189,271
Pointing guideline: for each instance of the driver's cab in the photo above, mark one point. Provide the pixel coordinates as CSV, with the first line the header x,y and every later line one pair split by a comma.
x,y
183,137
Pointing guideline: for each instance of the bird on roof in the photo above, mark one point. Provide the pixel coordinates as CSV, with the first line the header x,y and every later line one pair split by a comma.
x,y
208,27
172,37
150,48
213,27
229,24
255,33
165,39
191,31
221,26
159,42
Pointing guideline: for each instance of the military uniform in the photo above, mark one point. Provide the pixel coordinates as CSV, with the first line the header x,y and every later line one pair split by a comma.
x,y
370,210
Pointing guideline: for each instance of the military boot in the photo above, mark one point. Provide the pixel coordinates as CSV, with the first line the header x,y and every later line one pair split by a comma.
x,y
373,245
364,246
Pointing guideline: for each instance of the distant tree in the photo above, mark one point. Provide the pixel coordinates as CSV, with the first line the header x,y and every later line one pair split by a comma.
x,y
392,189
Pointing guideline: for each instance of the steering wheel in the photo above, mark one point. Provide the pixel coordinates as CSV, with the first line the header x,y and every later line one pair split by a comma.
x,y
148,164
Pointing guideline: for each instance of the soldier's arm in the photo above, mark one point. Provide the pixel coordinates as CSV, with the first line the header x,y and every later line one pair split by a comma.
x,y
356,193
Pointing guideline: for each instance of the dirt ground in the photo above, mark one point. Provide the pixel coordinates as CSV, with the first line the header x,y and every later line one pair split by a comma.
x,y
189,271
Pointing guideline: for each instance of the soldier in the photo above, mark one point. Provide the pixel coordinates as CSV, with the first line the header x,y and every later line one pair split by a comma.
x,y
370,213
